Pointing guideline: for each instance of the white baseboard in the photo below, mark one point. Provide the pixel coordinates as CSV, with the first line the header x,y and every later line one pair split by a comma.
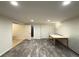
x,y
5,51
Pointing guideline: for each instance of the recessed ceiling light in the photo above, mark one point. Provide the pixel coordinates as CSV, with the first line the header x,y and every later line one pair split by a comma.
x,y
48,20
32,20
14,3
66,3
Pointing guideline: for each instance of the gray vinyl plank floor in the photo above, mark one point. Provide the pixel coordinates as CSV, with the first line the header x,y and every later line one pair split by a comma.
x,y
39,48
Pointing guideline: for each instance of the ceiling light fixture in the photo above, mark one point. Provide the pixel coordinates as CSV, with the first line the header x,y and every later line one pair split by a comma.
x,y
66,3
32,20
48,20
14,3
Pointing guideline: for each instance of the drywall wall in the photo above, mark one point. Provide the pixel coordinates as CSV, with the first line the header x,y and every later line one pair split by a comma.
x,y
43,30
36,31
28,32
70,28
46,30
5,35
21,32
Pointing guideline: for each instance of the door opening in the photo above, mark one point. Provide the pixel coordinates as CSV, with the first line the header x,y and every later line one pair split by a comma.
x,y
32,31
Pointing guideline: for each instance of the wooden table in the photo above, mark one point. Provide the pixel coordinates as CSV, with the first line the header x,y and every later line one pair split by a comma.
x,y
55,37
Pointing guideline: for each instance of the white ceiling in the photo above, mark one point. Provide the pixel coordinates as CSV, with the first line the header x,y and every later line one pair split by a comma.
x,y
40,11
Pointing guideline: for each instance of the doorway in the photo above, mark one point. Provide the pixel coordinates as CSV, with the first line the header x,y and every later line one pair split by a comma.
x,y
20,33
32,31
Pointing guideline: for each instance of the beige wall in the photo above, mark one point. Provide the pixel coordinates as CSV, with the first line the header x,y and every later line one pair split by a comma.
x,y
43,30
5,35
20,31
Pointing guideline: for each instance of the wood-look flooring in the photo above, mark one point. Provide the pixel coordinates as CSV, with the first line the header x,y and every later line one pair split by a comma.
x,y
39,48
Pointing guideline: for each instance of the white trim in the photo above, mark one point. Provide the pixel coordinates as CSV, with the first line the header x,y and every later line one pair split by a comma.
x,y
5,51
